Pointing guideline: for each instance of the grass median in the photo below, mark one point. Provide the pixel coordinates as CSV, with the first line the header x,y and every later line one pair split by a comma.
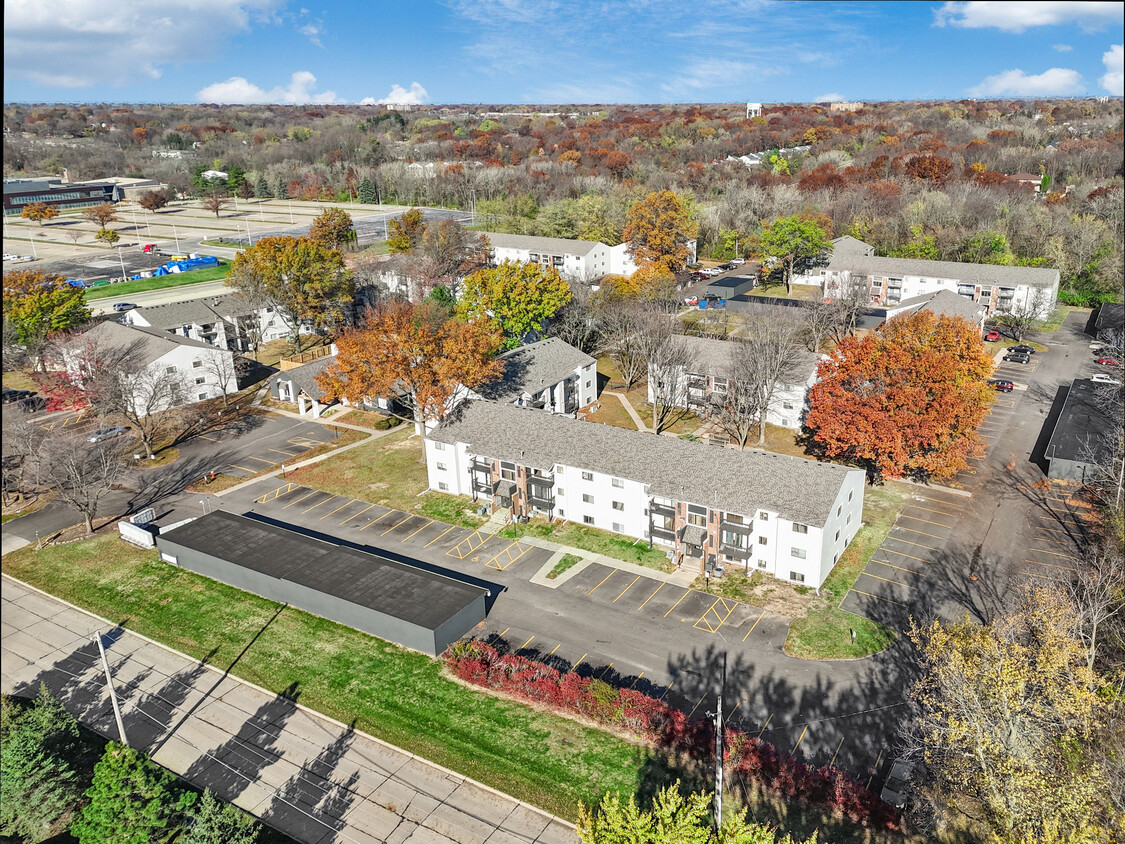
x,y
824,632
394,694
144,285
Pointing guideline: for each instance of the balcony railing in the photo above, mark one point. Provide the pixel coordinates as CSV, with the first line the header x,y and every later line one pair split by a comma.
x,y
481,466
542,502
541,481
662,509
735,552
737,527
663,534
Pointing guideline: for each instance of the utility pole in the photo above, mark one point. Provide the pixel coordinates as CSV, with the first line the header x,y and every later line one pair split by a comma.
x,y
109,683
719,749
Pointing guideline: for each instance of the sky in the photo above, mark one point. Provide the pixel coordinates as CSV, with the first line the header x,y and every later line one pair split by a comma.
x,y
556,51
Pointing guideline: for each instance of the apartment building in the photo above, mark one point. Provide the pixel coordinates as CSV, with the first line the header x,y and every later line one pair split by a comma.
x,y
549,375
784,516
228,321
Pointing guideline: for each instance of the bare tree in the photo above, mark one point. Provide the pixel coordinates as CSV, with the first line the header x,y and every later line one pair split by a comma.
x,y
214,202
1026,315
223,368
578,323
142,396
772,354
82,473
669,360
21,440
1096,590
621,327
821,319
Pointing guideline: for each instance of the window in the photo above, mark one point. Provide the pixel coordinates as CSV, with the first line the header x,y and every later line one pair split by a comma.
x,y
508,471
443,486
171,370
618,505
195,364
734,518
837,536
800,528
839,510
848,520
589,520
697,516
761,564
587,385
587,476
587,499
797,576
441,467
560,470
202,397
618,483
762,540
199,381
764,516
799,553
620,528
562,491
788,405
439,446
849,496
562,512
735,540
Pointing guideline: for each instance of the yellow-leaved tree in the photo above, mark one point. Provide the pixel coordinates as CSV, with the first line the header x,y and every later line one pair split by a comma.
x,y
658,230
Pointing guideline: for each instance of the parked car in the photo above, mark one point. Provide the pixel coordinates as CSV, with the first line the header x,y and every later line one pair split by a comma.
x,y
725,267
691,300
1022,349
711,272
1109,362
1002,386
698,275
103,434
32,404
737,262
1017,357
11,395
121,307
896,790
1102,378
992,336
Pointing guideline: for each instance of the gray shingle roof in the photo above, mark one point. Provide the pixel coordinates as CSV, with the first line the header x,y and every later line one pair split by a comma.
x,y
713,357
733,481
848,245
1110,315
174,315
944,303
986,274
304,376
534,367
149,343
552,245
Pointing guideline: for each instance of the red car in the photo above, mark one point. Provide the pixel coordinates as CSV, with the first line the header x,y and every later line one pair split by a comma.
x,y
992,336
1109,362
691,300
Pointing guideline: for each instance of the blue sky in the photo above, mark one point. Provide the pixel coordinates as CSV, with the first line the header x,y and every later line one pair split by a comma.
x,y
555,51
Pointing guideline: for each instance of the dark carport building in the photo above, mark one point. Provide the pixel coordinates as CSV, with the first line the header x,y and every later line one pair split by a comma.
x,y
1085,436
395,601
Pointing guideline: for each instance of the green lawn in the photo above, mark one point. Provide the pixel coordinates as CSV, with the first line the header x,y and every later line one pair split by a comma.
x,y
564,565
825,631
593,540
126,288
390,471
385,690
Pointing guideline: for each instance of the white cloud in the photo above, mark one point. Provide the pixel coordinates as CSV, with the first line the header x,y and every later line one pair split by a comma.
x,y
828,98
1114,61
239,90
312,32
401,96
1018,16
1061,48
49,41
1057,81
714,75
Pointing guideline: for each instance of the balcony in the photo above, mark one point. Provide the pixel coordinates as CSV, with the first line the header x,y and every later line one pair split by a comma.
x,y
481,466
697,382
662,534
485,486
735,552
541,502
737,527
662,510
542,483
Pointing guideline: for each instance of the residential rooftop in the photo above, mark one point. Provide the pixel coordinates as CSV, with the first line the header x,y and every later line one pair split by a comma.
x,y
984,274
532,368
943,303
304,376
549,245
742,482
1084,430
713,357
148,344
174,315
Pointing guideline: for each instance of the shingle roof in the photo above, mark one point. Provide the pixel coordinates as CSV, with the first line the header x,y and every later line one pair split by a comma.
x,y
986,274
210,309
848,245
534,367
304,376
149,343
553,245
944,303
713,357
734,481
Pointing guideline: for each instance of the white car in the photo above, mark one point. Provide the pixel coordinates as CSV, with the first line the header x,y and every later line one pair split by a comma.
x,y
1102,378
711,272
738,262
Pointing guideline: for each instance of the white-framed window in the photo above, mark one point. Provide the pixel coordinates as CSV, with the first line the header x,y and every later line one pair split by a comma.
x,y
839,509
195,364
763,541
560,470
587,385
618,483
199,381
697,515
441,467
788,405
443,486
587,476
764,516
796,576
439,446
618,527
170,370
848,520
587,498
562,512
203,397
589,520
508,471
849,496
562,491
618,505
799,553
761,564
837,536
798,528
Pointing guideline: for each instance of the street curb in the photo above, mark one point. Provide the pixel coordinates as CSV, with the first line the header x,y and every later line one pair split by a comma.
x,y
305,709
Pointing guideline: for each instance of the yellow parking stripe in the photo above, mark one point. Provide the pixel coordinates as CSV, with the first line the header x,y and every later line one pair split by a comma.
x,y
752,626
261,460
915,544
314,506
299,500
511,558
439,536
653,595
900,568
921,532
244,469
426,525
900,554
607,577
677,603
396,524
555,648
1052,553
626,589
338,509
801,739
279,451
927,521
878,597
525,644
360,513
496,637
579,660
837,753
887,579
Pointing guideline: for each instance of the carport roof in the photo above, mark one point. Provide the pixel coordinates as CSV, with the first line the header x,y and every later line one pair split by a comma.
x,y
402,591
1084,432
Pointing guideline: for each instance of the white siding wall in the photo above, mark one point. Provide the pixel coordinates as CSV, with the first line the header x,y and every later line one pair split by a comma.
x,y
570,487
182,361
448,465
846,518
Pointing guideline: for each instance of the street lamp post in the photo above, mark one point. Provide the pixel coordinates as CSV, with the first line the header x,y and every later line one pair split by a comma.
x,y
177,237
121,258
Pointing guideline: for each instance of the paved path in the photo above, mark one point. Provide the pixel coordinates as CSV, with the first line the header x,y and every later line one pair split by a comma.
x,y
629,409
311,777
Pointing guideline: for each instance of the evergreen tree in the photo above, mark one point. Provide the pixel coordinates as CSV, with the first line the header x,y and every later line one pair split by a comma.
x,y
262,188
366,192
216,822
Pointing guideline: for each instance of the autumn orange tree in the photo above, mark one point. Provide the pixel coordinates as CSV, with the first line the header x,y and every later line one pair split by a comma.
x,y
407,352
405,232
517,297
39,212
658,229
101,214
37,303
906,400
333,228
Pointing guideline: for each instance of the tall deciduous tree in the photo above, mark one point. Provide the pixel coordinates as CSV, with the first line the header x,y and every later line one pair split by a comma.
x,y
101,214
39,212
455,251
905,400
668,360
304,281
38,303
81,473
1026,313
1004,717
405,232
518,297
404,353
153,200
792,239
215,201
332,228
622,323
658,229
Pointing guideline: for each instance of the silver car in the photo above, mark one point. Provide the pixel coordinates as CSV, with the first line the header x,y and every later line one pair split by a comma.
x,y
103,434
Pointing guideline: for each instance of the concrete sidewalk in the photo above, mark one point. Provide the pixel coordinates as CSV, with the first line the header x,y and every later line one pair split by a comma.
x,y
311,777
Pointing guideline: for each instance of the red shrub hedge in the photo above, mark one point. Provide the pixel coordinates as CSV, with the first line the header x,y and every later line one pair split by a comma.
x,y
757,761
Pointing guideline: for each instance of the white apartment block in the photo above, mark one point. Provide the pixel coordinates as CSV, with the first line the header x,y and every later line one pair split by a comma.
x,y
787,517
889,281
578,260
226,321
547,375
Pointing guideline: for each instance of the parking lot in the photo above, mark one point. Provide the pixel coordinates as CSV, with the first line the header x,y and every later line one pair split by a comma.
x,y
621,625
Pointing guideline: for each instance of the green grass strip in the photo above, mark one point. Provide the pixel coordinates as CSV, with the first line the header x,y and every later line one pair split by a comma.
x,y
125,288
